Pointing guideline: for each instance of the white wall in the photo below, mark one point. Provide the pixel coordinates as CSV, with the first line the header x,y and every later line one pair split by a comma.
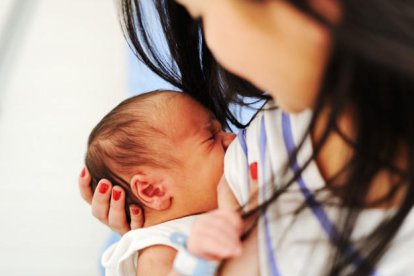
x,y
66,69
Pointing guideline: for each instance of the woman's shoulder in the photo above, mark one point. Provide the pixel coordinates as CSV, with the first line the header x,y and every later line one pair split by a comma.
x,y
273,120
272,131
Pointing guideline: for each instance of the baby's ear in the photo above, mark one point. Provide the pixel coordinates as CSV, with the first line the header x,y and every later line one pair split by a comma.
x,y
152,191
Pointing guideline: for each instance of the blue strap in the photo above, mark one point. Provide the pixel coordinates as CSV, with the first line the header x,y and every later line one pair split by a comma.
x,y
188,264
273,269
241,136
179,238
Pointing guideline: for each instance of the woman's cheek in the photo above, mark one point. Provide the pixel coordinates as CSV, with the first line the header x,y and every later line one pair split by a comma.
x,y
223,40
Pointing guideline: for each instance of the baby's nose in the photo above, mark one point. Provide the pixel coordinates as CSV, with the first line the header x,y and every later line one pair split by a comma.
x,y
227,138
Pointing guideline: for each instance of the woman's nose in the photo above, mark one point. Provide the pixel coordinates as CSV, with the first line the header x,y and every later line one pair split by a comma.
x,y
227,138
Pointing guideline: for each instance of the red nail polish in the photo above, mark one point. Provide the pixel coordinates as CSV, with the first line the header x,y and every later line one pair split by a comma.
x,y
103,188
135,210
83,172
116,194
253,170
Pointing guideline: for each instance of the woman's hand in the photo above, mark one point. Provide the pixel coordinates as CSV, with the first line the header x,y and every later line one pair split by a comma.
x,y
110,210
216,235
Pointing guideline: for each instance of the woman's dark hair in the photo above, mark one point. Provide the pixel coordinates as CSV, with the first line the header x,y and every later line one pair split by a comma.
x,y
187,63
371,71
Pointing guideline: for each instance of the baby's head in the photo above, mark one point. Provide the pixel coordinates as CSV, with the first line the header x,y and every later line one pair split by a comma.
x,y
164,149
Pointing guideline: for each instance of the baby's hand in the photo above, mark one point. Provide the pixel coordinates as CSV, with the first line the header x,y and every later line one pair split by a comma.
x,y
216,235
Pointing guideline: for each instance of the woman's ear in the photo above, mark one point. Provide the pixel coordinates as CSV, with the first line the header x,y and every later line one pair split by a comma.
x,y
152,191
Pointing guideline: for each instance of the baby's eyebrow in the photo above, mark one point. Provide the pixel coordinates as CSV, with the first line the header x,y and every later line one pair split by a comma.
x,y
214,121
209,124
205,126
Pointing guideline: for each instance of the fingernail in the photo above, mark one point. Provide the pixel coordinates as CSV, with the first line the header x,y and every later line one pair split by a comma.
x,y
135,210
83,172
253,170
116,194
103,188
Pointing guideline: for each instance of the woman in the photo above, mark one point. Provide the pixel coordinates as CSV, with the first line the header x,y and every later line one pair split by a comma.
x,y
350,62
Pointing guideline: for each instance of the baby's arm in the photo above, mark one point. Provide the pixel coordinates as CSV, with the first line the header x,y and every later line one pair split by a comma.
x,y
156,260
216,235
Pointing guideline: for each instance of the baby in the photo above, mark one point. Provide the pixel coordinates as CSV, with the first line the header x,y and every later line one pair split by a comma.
x,y
167,152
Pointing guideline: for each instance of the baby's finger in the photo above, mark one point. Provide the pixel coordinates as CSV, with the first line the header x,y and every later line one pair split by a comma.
x,y
215,245
223,226
227,241
117,218
100,201
137,217
216,234
228,219
85,185
220,220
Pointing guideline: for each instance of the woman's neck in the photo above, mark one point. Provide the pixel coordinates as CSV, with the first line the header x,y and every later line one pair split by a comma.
x,y
336,153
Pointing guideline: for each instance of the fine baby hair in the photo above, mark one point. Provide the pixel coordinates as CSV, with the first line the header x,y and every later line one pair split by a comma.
x,y
125,138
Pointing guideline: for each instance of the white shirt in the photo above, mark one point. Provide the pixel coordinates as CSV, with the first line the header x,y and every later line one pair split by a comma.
x,y
299,244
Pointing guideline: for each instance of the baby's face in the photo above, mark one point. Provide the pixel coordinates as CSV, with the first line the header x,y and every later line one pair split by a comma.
x,y
200,144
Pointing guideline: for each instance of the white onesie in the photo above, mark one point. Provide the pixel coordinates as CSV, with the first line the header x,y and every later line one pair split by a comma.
x,y
121,257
